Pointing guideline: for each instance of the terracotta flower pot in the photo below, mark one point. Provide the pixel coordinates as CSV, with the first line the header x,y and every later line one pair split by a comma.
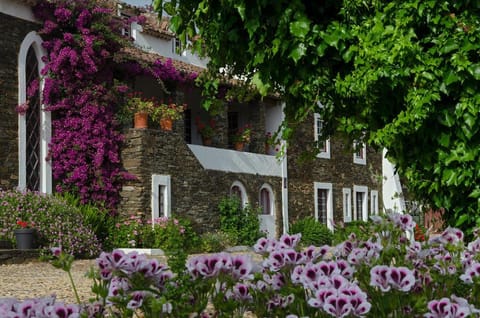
x,y
140,120
207,141
239,146
166,124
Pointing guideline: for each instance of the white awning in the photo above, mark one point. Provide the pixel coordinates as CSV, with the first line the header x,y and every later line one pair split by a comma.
x,y
236,161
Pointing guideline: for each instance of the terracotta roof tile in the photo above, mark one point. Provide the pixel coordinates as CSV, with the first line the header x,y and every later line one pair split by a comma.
x,y
157,27
135,53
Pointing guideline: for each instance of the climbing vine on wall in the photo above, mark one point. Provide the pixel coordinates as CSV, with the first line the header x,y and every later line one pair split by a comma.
x,y
81,39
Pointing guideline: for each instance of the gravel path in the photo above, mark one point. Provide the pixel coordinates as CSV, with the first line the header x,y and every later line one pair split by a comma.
x,y
37,279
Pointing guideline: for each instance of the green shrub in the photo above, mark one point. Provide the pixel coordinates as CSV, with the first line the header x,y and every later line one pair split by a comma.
x,y
171,234
313,232
99,219
58,223
361,229
176,238
129,232
242,224
216,241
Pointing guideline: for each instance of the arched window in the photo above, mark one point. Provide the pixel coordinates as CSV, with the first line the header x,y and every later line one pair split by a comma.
x,y
237,189
266,201
34,125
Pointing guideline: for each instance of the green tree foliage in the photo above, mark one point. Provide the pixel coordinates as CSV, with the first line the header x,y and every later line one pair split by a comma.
x,y
402,74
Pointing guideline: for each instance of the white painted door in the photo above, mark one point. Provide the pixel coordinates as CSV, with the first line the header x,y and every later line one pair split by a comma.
x,y
267,225
267,213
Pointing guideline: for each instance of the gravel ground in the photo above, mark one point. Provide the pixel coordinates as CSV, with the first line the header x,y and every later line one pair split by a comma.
x,y
37,279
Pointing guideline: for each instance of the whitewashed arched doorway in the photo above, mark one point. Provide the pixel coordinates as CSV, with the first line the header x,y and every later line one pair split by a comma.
x,y
267,210
34,124
238,190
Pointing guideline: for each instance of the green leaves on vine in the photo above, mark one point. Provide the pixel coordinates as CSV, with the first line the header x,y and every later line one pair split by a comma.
x,y
406,73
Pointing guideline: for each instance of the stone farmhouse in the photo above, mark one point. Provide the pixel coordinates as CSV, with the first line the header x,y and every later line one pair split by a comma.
x,y
176,173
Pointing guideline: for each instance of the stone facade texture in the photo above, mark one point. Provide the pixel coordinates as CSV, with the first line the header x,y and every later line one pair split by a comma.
x,y
339,170
13,32
195,192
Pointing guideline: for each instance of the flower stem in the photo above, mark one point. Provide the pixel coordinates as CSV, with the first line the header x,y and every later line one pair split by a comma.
x,y
73,286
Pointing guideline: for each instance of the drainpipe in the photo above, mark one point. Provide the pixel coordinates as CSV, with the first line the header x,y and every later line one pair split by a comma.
x,y
284,189
284,180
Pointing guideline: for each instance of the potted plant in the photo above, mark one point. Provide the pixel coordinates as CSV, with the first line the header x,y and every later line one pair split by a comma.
x,y
167,113
25,235
139,107
206,130
242,137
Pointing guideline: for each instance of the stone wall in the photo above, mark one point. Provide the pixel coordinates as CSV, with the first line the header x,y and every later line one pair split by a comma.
x,y
195,192
13,32
338,170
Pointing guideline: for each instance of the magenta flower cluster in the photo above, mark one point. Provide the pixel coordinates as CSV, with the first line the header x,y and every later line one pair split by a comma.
x,y
80,38
119,271
455,307
392,276
38,307
162,71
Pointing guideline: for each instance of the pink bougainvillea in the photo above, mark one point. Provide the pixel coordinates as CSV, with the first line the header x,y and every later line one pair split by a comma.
x,y
82,39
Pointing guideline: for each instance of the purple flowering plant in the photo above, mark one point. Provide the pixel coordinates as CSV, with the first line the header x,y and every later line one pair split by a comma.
x,y
83,43
387,275
81,38
57,222
129,232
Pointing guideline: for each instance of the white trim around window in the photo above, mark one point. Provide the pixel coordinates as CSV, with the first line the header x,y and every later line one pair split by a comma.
x,y
33,40
360,155
317,133
374,202
161,196
328,204
347,204
243,192
266,198
360,203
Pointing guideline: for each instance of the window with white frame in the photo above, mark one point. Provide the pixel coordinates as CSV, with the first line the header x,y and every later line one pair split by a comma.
x,y
266,201
360,203
323,144
347,204
360,154
127,28
323,197
34,125
161,196
177,46
238,190
374,202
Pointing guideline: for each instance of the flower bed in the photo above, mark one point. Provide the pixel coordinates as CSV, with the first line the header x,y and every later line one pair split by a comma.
x,y
386,276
